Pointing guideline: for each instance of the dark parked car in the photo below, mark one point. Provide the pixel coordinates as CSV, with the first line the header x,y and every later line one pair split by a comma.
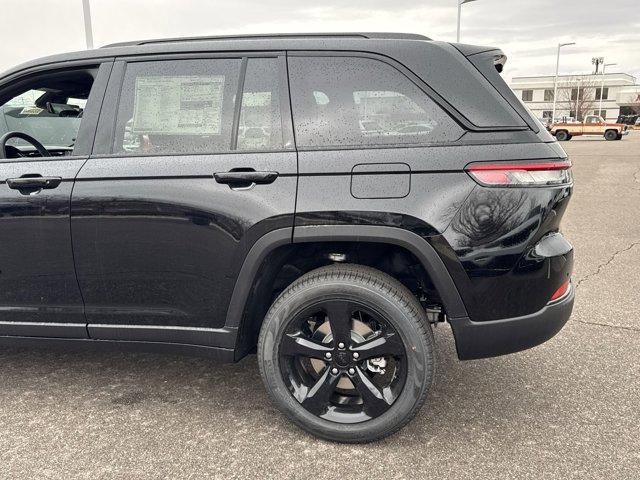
x,y
322,198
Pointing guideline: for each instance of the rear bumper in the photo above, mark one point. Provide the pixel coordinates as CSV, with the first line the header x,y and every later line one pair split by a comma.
x,y
509,335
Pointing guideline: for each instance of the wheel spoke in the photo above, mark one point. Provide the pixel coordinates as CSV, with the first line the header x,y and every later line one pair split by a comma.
x,y
340,320
297,344
382,345
374,401
316,399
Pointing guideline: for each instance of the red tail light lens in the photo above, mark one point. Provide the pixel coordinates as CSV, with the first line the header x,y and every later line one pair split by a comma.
x,y
525,174
561,292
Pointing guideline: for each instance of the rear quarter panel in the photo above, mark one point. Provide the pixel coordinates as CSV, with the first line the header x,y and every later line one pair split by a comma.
x,y
447,208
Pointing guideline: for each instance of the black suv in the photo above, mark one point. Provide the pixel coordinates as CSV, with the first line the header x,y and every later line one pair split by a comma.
x,y
322,198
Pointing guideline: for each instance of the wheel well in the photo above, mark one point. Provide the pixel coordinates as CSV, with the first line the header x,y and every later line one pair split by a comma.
x,y
287,263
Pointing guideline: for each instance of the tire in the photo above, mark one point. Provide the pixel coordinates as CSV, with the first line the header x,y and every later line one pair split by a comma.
x,y
562,135
357,416
611,135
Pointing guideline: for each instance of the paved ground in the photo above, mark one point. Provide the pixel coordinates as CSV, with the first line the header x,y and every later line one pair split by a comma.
x,y
567,409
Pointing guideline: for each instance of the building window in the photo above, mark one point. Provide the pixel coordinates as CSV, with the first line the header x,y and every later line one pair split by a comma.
x,y
527,95
601,113
575,95
547,114
548,95
605,93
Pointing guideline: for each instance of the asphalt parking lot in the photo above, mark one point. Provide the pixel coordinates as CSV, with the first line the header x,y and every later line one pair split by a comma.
x,y
567,409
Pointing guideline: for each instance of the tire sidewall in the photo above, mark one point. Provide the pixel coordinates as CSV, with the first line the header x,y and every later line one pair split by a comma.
x,y
418,347
562,136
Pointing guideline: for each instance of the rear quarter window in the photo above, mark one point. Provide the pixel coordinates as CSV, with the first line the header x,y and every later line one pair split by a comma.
x,y
352,101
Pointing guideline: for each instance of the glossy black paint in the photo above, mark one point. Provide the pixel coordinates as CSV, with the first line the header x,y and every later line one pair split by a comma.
x,y
145,250
480,233
158,241
37,276
494,235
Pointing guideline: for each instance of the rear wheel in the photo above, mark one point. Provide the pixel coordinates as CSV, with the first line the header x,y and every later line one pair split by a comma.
x,y
562,135
346,353
611,135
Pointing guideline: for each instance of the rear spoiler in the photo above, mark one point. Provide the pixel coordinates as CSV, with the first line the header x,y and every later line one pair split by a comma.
x,y
499,58
490,63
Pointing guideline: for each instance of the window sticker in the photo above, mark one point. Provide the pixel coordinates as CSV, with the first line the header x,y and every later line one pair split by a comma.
x,y
178,105
31,111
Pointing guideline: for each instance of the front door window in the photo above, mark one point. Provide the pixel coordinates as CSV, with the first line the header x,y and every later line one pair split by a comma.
x,y
49,110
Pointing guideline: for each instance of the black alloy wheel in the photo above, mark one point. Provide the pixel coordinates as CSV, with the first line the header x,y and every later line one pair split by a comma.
x,y
346,353
343,361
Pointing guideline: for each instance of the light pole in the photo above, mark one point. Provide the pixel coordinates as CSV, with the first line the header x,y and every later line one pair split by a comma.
x,y
460,3
88,31
555,82
578,104
604,65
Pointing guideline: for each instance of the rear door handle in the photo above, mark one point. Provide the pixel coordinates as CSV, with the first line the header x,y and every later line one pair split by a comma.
x,y
244,179
33,183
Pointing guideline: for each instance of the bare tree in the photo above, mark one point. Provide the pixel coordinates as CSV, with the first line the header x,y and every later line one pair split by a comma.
x,y
577,95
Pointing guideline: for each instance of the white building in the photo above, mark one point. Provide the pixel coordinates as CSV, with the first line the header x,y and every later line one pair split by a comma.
x,y
620,95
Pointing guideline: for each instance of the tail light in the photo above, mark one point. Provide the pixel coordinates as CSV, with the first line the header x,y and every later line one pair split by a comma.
x,y
525,174
561,292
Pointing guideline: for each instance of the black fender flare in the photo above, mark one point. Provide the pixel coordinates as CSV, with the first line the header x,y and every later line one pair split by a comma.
x,y
417,245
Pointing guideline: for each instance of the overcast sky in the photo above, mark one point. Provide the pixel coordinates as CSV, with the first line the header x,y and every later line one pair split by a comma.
x,y
527,30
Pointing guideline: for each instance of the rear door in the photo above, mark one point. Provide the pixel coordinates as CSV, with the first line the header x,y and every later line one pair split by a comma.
x,y
39,294
193,163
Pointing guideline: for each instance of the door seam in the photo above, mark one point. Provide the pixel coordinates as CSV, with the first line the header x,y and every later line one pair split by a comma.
x,y
73,253
295,144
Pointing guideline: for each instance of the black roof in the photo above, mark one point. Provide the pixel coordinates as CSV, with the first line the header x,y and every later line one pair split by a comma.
x,y
371,42
362,41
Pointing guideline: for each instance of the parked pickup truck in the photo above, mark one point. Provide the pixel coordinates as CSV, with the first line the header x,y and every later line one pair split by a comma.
x,y
592,125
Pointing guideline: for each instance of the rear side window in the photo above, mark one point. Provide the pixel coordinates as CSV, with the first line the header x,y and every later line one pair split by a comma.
x,y
351,101
181,106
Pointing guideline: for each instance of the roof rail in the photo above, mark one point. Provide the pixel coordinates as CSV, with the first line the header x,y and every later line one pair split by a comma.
x,y
276,36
